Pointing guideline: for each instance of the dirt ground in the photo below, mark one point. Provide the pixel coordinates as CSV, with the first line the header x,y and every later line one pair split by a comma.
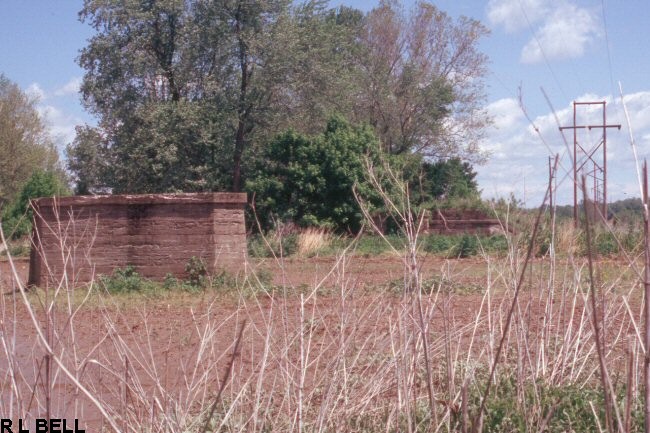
x,y
138,350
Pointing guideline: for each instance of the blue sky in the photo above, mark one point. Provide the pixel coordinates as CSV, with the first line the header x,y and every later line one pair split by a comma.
x,y
573,49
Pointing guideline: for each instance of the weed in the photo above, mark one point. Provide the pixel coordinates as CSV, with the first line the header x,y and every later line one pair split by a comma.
x,y
373,245
196,272
126,279
467,246
563,408
272,245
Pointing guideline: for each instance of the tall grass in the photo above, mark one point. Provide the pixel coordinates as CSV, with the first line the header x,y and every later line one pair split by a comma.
x,y
312,240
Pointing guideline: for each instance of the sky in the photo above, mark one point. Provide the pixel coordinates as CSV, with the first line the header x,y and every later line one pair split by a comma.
x,y
544,55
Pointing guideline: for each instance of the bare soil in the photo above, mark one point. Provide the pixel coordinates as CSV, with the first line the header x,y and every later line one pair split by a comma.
x,y
164,334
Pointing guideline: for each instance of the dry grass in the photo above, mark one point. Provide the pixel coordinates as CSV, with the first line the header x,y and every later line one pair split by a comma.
x,y
312,240
423,360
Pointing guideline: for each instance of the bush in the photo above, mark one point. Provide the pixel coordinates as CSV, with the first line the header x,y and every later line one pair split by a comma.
x,y
468,246
125,280
308,180
606,244
17,216
277,245
196,272
569,403
374,245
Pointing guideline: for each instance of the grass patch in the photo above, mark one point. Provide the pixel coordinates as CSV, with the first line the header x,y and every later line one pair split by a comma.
x,y
312,240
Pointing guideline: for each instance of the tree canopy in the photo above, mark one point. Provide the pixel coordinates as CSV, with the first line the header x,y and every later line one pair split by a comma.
x,y
309,179
17,216
189,93
25,145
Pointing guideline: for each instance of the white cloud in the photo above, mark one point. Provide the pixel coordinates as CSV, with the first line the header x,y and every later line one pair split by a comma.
x,y
69,88
562,30
505,112
61,125
35,91
564,35
520,154
515,15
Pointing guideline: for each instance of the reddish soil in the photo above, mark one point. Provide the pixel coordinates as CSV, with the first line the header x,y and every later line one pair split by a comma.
x,y
140,356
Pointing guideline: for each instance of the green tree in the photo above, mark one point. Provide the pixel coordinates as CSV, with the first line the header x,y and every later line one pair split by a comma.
x,y
17,216
25,145
188,92
451,178
309,179
422,82
159,126
180,88
86,160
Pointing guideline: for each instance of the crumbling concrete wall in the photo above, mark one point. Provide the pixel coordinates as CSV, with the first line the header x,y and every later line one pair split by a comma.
x,y
455,222
86,236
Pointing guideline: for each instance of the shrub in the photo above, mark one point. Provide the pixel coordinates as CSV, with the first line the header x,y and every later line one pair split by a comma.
x,y
373,245
606,244
570,407
438,244
467,246
495,243
308,180
277,245
126,280
17,216
196,272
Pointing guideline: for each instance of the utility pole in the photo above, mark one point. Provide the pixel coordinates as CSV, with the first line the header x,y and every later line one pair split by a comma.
x,y
588,154
551,176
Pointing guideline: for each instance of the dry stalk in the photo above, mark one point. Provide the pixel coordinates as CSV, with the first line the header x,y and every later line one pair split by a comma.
x,y
478,424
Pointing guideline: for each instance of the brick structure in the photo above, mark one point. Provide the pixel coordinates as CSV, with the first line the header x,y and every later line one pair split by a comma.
x,y
456,222
86,236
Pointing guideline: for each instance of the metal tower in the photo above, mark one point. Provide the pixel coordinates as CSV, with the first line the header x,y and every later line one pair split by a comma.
x,y
588,161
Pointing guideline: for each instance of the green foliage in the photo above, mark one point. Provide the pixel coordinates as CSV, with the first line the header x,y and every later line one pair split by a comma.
x,y
373,245
125,280
467,246
17,216
18,248
606,244
187,93
196,272
449,179
463,246
567,408
25,146
309,180
272,244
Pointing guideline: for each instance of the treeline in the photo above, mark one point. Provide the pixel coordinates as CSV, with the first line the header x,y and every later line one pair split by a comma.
x,y
626,210
29,162
286,101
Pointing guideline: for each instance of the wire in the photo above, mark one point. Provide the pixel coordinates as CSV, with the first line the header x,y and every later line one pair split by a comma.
x,y
609,54
541,49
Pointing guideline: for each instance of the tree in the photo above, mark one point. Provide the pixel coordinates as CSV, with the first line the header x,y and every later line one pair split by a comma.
x,y
25,145
86,160
450,179
423,80
203,64
156,132
309,179
188,93
17,216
